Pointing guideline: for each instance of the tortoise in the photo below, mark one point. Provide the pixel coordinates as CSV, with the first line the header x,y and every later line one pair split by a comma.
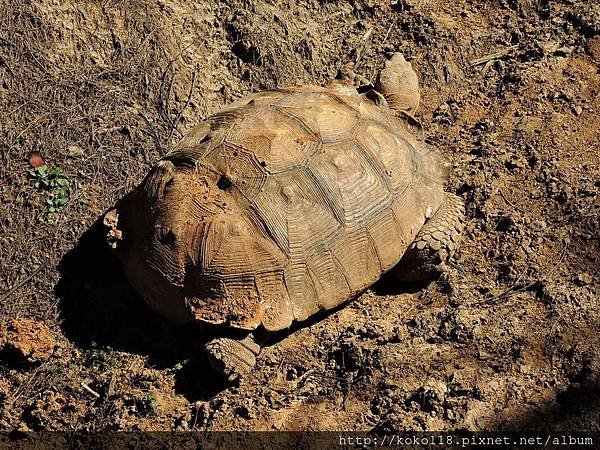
x,y
286,203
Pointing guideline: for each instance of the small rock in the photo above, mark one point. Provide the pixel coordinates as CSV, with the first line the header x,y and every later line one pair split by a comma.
x,y
75,151
583,279
578,110
524,368
431,395
35,159
25,341
563,51
482,355
549,47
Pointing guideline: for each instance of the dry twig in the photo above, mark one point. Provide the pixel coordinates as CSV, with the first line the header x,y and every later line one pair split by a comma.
x,y
189,98
492,56
90,390
18,285
511,290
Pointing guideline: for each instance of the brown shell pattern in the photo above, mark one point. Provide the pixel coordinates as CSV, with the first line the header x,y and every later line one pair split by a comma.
x,y
323,193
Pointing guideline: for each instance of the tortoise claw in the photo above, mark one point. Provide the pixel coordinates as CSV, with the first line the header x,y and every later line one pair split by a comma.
x,y
231,358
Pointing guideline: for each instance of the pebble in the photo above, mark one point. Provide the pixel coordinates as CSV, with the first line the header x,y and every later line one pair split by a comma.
x,y
583,279
75,151
563,51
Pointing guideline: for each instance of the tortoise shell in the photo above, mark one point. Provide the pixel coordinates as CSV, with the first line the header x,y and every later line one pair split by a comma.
x,y
283,204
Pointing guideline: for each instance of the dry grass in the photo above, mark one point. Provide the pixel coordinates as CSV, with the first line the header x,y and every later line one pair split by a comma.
x,y
120,116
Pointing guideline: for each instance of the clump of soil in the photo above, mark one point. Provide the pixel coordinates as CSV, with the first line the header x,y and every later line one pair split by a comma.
x,y
505,340
25,341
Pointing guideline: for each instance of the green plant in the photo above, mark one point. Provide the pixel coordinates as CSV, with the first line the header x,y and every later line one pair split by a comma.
x,y
53,181
101,356
176,368
148,404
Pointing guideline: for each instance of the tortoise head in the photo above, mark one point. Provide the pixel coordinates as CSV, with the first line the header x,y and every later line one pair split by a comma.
x,y
181,237
153,230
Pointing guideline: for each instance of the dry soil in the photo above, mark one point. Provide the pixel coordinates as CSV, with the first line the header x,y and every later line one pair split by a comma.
x,y
507,340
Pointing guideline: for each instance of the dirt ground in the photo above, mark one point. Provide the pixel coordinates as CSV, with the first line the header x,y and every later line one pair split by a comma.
x,y
507,340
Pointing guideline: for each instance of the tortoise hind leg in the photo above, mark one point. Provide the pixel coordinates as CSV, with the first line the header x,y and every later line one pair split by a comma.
x,y
232,358
399,85
435,244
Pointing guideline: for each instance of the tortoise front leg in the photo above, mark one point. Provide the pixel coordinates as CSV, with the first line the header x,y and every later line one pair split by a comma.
x,y
232,358
435,244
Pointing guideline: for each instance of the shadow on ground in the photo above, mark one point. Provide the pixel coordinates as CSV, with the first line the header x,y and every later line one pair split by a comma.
x,y
577,408
99,308
388,285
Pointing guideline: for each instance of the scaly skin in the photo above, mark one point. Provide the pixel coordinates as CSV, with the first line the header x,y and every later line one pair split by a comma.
x,y
399,85
435,244
232,358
